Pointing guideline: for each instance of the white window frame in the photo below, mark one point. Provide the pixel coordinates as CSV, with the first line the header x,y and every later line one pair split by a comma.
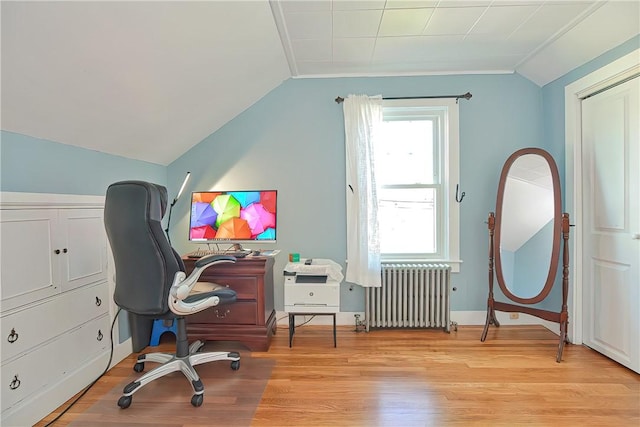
x,y
450,164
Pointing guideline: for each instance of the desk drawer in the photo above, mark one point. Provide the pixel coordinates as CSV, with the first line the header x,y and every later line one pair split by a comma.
x,y
246,287
240,313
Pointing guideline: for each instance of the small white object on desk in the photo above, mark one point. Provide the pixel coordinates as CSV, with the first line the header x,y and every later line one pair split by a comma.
x,y
270,253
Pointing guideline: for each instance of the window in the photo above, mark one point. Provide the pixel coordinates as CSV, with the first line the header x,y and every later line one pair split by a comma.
x,y
416,167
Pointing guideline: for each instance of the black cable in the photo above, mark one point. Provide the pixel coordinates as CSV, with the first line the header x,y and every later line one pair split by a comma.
x,y
306,321
297,326
94,381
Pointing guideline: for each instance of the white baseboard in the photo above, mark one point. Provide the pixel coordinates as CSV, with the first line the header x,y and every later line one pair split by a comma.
x,y
471,318
479,318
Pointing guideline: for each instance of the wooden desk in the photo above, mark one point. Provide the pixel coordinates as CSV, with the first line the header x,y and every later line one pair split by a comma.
x,y
251,320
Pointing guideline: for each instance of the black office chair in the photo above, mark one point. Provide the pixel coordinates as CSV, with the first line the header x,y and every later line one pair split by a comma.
x,y
151,282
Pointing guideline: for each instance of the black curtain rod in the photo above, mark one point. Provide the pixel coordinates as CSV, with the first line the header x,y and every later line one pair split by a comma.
x,y
467,95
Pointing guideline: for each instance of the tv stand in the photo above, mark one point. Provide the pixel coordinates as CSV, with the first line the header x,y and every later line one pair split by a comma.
x,y
251,320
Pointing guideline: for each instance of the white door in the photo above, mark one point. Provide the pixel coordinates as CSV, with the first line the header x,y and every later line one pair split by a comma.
x,y
611,223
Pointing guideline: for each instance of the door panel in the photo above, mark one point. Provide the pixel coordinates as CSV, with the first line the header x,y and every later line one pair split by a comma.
x,y
84,251
29,266
611,193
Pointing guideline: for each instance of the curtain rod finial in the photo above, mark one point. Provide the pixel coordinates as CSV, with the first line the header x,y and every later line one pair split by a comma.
x,y
339,100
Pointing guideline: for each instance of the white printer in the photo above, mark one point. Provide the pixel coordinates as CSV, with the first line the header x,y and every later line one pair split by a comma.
x,y
312,286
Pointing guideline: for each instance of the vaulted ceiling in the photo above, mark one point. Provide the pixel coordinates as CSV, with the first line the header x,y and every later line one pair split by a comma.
x,y
150,79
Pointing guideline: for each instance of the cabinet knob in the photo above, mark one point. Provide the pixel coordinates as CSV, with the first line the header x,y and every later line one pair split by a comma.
x,y
310,294
65,250
13,336
57,251
15,383
100,336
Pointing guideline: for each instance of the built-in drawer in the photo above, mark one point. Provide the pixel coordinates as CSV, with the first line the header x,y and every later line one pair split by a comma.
x,y
46,365
246,287
32,325
240,313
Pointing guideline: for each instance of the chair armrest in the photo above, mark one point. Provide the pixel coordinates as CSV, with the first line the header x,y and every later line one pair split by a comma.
x,y
182,285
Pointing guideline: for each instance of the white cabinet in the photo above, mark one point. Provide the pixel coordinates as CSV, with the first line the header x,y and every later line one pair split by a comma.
x,y
48,251
55,302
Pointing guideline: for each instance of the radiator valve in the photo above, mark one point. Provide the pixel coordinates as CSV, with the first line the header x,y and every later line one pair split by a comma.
x,y
359,323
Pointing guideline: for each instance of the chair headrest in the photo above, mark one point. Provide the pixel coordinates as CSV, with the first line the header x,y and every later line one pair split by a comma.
x,y
163,198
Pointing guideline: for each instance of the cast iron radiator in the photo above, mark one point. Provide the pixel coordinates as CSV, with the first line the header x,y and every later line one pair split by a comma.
x,y
412,295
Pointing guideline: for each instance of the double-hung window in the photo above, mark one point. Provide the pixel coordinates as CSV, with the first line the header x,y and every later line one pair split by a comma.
x,y
416,169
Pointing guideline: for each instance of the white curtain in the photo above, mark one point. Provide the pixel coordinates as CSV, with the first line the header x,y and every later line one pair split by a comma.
x,y
362,115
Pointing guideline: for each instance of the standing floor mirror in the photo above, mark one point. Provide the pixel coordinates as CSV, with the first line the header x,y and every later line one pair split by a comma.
x,y
525,237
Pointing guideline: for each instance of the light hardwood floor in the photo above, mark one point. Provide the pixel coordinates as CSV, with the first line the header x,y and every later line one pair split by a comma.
x,y
427,378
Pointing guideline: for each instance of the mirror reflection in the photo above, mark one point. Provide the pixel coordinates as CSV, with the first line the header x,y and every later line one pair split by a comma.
x,y
526,240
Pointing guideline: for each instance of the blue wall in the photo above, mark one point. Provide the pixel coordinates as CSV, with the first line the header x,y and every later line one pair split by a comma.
x,y
35,165
292,140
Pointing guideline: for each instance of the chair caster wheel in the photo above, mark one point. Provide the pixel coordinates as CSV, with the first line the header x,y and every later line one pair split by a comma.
x,y
138,367
196,400
124,402
235,365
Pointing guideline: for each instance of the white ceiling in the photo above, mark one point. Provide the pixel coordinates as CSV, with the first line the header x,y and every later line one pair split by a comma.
x,y
150,79
417,37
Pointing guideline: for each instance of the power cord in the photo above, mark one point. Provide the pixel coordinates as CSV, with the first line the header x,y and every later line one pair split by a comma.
x,y
297,326
94,381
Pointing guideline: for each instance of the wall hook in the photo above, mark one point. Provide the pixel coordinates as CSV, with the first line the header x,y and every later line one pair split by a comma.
x,y
459,199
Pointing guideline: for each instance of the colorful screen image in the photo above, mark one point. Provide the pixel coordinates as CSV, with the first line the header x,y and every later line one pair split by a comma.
x,y
233,215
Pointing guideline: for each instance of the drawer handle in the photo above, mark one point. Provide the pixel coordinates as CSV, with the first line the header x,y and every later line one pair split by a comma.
x,y
98,302
15,383
100,336
65,250
13,336
57,251
223,315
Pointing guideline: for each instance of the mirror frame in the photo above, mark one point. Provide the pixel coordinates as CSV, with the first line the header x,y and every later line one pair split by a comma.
x,y
557,225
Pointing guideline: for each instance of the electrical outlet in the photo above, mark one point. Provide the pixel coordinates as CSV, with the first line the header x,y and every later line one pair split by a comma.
x,y
514,315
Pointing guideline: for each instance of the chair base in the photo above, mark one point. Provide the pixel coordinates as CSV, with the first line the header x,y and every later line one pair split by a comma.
x,y
172,363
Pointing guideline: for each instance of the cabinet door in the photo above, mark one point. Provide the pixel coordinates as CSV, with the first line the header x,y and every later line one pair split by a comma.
x,y
85,252
28,260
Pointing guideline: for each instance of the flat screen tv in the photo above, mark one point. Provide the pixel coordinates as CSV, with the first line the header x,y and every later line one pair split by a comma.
x,y
233,216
